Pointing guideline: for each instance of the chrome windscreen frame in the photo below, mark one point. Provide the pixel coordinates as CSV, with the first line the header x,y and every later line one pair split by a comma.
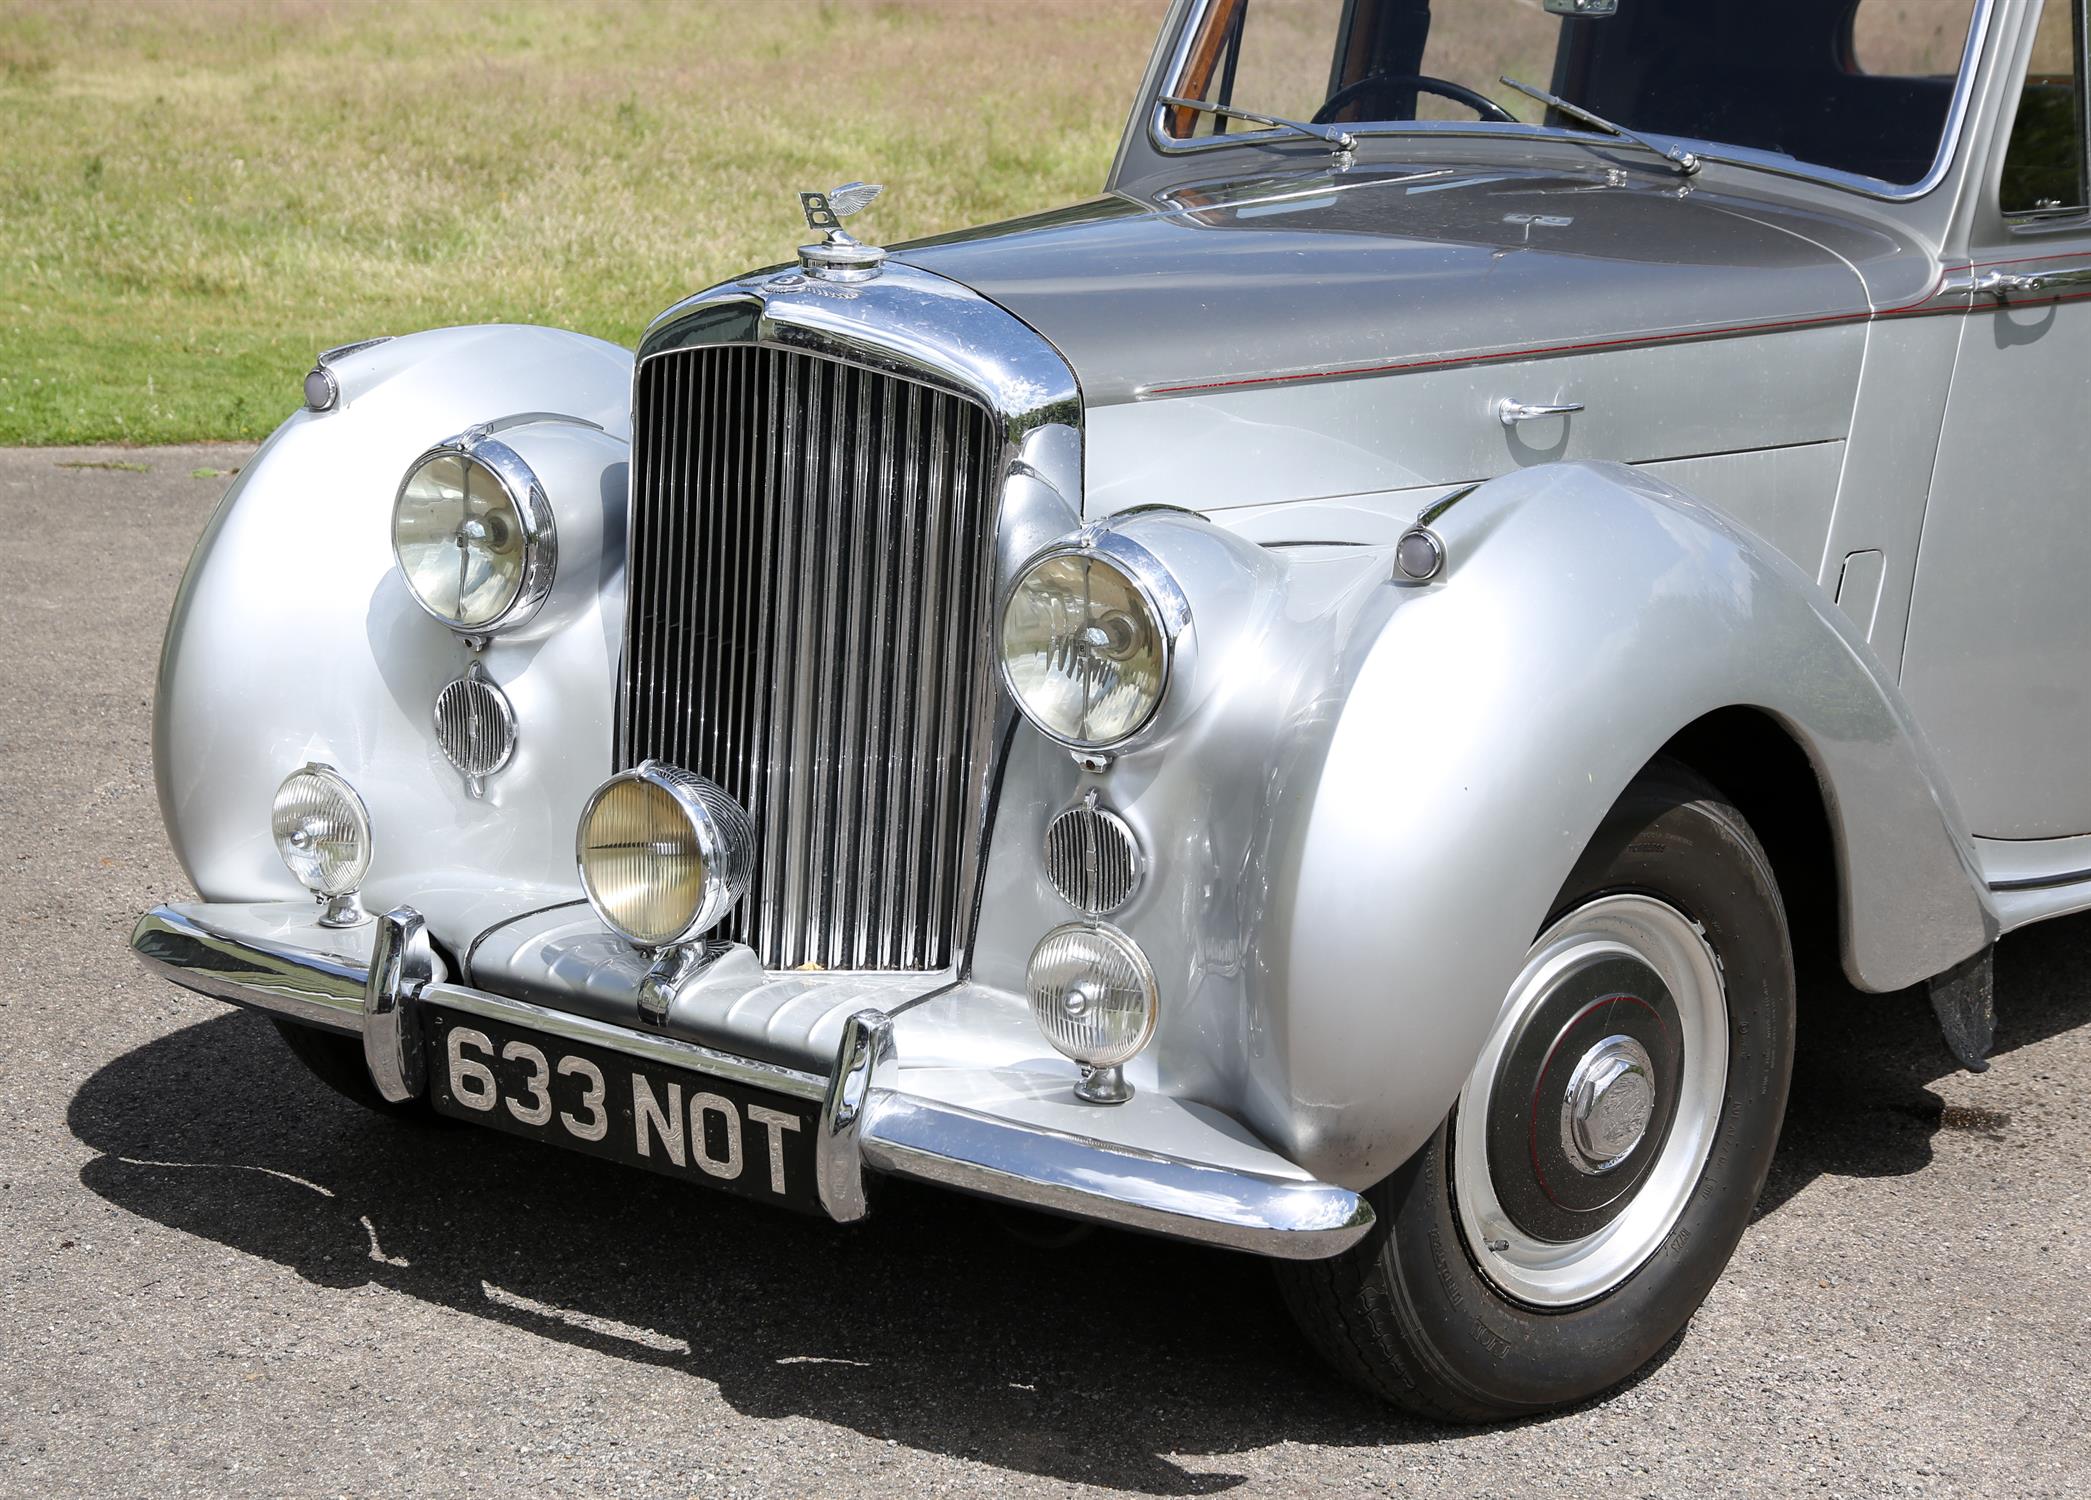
x,y
920,327
1164,80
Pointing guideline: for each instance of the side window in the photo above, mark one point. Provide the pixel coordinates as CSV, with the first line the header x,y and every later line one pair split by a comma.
x,y
2044,165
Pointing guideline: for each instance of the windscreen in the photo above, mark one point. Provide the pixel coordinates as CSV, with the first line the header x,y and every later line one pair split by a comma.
x,y
1857,86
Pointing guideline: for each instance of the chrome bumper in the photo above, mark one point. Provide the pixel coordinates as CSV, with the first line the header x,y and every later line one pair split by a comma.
x,y
868,1123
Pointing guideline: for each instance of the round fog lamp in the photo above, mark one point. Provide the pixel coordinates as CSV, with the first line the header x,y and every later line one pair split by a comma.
x,y
663,853
1093,994
322,830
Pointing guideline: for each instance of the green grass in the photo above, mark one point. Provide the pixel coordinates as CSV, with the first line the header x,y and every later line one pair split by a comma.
x,y
196,197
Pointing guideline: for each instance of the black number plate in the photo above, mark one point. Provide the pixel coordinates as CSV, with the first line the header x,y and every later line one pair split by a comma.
x,y
703,1129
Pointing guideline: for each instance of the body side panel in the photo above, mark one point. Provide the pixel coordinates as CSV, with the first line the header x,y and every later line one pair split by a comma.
x,y
1506,710
1363,799
1273,444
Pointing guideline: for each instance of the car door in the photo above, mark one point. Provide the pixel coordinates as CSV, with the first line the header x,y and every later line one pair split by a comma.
x,y
1997,661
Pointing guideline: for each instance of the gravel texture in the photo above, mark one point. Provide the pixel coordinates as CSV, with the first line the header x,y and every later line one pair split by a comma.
x,y
217,1278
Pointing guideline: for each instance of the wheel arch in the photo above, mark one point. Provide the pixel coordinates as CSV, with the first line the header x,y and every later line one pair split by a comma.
x,y
1589,618
1761,765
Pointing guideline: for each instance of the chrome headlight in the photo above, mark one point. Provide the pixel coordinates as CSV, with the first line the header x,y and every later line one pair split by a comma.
x,y
322,830
473,534
1087,637
664,854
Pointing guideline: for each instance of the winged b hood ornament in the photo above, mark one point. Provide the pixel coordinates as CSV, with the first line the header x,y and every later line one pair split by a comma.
x,y
838,256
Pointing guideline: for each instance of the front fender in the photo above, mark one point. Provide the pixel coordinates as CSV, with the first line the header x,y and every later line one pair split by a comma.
x,y
1490,718
293,637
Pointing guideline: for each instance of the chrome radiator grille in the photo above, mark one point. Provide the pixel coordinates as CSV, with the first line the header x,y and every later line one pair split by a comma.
x,y
809,582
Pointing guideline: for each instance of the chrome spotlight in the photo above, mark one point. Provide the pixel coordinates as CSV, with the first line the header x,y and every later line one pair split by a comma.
x,y
664,854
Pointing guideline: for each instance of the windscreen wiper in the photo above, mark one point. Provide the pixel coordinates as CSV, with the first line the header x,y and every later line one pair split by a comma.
x,y
1685,161
1329,135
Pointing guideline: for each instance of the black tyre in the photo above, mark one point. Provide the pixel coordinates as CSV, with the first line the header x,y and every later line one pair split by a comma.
x,y
1576,1207
337,1061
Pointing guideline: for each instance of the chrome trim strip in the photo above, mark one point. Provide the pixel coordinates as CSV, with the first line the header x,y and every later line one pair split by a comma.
x,y
864,1121
253,972
472,951
646,1046
943,1144
1159,139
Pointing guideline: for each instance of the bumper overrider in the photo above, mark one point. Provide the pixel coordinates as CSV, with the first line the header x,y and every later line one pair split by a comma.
x,y
862,1121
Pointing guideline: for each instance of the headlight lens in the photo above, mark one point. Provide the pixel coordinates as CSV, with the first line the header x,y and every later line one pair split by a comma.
x,y
1084,648
475,547
663,854
322,830
1092,993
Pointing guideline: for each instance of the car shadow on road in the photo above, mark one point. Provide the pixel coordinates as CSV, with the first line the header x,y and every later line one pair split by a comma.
x,y
1862,1103
926,1325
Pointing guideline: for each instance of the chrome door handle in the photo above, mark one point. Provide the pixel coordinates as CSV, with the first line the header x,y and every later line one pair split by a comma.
x,y
1513,412
2004,285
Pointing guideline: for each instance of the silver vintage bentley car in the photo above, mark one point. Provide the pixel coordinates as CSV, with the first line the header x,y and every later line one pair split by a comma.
x,y
1307,704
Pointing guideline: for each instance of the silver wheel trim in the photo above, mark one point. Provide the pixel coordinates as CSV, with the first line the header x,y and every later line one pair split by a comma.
x,y
1543,1273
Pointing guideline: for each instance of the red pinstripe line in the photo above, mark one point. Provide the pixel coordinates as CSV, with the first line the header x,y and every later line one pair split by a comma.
x,y
1917,308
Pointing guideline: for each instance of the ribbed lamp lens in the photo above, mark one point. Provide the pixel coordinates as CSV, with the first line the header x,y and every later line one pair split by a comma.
x,y
641,861
460,540
1082,649
1092,994
322,831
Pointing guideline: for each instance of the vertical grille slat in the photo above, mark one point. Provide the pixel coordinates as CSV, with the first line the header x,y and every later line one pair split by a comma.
x,y
901,745
809,550
878,770
824,769
927,640
673,512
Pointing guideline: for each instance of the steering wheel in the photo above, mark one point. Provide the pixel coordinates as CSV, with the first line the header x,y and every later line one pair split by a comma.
x,y
1424,83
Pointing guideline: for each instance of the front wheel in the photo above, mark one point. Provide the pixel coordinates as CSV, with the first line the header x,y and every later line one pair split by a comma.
x,y
1581,1199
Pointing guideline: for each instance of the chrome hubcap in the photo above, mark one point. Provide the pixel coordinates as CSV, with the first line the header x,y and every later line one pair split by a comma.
x,y
1587,1121
1609,1102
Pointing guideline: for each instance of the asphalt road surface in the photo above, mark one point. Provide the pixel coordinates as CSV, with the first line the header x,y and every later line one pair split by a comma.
x,y
216,1277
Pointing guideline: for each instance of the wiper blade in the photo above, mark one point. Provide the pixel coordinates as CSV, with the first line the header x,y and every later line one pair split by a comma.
x,y
1685,161
1329,135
